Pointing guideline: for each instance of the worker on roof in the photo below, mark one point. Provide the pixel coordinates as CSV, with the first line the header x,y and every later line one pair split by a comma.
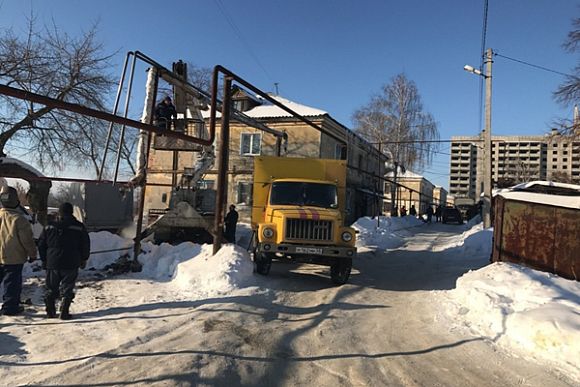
x,y
164,113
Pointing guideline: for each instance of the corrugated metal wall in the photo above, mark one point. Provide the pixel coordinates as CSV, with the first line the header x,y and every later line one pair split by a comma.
x,y
538,235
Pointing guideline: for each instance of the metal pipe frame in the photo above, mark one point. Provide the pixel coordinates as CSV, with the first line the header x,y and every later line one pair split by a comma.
x,y
267,97
115,108
222,181
127,100
58,104
221,195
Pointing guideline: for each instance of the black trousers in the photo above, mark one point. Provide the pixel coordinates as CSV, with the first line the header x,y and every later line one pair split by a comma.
x,y
60,282
230,233
11,276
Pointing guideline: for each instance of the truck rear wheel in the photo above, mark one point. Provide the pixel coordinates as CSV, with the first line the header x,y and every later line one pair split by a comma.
x,y
340,270
263,263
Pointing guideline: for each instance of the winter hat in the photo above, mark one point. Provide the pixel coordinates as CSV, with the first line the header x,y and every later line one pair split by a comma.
x,y
65,209
9,197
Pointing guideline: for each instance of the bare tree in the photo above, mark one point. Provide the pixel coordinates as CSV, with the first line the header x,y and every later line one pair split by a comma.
x,y
568,93
52,63
21,189
395,119
67,192
522,172
563,177
199,76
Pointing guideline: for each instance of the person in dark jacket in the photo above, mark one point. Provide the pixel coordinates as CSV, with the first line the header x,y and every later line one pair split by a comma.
x,y
403,211
64,246
429,213
164,112
230,222
438,213
413,211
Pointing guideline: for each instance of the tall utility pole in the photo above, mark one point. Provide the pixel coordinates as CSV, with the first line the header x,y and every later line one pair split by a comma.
x,y
487,142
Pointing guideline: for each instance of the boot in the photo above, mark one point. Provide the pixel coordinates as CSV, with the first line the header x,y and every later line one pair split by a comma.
x,y
64,309
50,307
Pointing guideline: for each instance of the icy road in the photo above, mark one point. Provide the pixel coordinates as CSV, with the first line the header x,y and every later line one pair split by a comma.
x,y
292,328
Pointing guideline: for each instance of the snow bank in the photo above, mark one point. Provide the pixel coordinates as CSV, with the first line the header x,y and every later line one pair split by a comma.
x,y
383,236
160,261
104,241
536,313
474,241
206,275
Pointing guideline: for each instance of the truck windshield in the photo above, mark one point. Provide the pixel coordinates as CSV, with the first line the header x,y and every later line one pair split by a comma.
x,y
304,194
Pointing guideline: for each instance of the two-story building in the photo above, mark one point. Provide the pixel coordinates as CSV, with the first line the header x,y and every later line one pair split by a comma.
x,y
364,194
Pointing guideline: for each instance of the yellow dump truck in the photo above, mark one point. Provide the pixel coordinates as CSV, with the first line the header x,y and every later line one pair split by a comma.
x,y
298,214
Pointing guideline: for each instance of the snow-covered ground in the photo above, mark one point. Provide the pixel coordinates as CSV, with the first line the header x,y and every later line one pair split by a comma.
x,y
530,313
525,312
387,233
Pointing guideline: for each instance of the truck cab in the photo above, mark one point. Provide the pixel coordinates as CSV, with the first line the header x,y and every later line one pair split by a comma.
x,y
302,218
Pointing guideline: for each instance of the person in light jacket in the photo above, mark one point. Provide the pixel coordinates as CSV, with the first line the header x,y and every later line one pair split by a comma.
x,y
16,246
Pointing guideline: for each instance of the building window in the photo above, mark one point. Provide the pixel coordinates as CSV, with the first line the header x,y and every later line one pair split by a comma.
x,y
251,144
205,184
340,152
244,193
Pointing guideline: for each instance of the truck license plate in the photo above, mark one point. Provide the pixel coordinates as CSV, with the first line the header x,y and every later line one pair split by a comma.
x,y
308,250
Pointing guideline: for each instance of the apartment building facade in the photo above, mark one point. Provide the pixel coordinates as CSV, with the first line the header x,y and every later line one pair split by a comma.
x,y
514,159
364,195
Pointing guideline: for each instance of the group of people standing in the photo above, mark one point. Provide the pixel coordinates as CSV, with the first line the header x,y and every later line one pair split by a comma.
x,y
63,248
428,213
437,212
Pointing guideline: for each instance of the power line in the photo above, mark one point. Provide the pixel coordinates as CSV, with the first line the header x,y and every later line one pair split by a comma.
x,y
238,32
533,65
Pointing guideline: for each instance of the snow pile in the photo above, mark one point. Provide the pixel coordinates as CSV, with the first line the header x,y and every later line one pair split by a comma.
x,y
105,241
188,266
534,312
160,261
474,241
473,221
206,275
384,236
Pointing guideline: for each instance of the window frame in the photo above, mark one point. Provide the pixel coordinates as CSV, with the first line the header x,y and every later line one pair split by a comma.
x,y
251,136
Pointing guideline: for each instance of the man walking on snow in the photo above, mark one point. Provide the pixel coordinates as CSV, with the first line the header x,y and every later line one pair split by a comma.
x,y
64,246
16,244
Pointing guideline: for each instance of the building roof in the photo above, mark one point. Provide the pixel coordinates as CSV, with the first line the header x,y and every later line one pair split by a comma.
x,y
269,110
406,174
537,184
550,200
545,192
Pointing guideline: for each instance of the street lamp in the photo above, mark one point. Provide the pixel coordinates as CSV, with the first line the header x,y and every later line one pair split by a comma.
x,y
488,60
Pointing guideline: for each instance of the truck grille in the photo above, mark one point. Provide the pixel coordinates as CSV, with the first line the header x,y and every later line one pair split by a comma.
x,y
315,230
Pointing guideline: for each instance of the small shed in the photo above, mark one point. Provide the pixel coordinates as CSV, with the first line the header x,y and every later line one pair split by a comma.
x,y
537,224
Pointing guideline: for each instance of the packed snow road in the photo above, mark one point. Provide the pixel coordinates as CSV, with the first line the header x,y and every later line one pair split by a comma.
x,y
384,327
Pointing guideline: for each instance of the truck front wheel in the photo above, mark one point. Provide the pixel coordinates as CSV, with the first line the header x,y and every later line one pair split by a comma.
x,y
340,270
263,263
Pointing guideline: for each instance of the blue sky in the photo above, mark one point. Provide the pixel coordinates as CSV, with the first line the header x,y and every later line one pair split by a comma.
x,y
333,55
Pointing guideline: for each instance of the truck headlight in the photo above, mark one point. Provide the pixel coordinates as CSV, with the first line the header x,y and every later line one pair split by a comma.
x,y
346,236
267,232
